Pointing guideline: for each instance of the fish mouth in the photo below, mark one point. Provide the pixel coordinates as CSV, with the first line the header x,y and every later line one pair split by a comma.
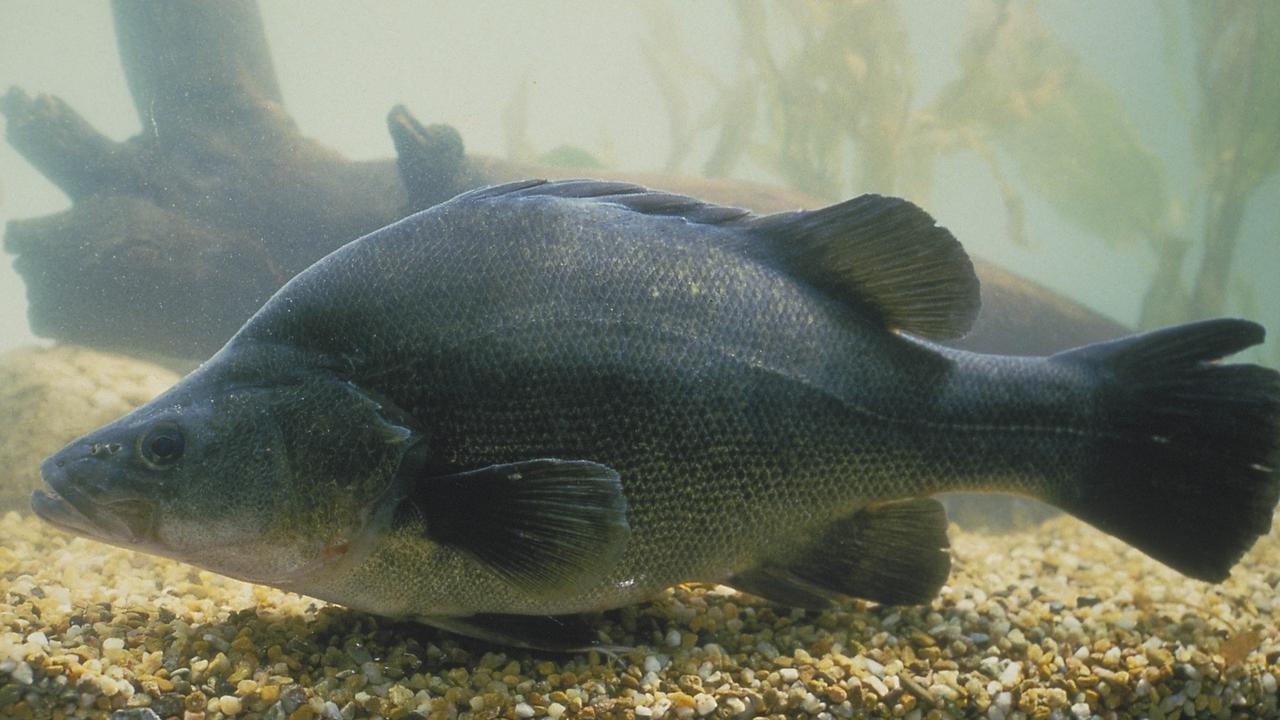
x,y
120,521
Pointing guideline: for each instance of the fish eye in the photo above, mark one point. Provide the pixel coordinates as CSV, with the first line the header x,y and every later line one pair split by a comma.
x,y
161,445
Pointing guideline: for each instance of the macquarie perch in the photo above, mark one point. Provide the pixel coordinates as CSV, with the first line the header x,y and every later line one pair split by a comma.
x,y
547,398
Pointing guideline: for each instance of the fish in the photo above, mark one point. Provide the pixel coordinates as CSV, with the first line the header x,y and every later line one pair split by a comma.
x,y
541,400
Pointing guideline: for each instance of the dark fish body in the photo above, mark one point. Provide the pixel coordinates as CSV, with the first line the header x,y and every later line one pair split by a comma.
x,y
544,399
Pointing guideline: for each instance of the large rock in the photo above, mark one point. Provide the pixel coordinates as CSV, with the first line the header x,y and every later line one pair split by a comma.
x,y
50,396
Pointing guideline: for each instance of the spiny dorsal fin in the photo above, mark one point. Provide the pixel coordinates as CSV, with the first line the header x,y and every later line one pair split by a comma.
x,y
632,197
883,254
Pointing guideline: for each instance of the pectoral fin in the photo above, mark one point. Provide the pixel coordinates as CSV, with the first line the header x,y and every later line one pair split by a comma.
x,y
893,553
546,526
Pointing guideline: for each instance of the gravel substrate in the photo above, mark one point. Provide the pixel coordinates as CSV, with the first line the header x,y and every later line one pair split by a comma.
x,y
1057,622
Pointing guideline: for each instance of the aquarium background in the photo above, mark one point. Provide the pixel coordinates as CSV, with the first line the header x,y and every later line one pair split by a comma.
x,y
603,82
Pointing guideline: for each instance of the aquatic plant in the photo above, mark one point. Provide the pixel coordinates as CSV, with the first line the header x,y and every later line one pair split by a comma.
x,y
822,98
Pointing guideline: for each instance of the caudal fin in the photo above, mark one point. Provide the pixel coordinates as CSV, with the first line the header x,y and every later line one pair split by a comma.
x,y
1187,471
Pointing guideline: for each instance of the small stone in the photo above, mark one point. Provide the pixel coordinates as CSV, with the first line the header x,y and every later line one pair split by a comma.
x,y
525,710
789,675
23,674
643,711
113,644
1268,682
555,710
704,703
1081,711
1011,675
135,714
229,705
673,638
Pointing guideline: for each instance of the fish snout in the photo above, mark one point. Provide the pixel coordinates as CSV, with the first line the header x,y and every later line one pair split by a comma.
x,y
88,494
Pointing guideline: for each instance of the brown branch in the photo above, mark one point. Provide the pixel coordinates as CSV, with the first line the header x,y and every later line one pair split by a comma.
x,y
195,61
64,147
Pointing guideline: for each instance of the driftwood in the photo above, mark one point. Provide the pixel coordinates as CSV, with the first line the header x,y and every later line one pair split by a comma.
x,y
177,235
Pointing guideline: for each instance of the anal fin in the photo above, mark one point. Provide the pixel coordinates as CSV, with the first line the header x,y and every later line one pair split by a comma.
x,y
893,553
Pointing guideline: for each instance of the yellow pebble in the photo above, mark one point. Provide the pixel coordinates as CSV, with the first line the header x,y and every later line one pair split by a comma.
x,y
229,705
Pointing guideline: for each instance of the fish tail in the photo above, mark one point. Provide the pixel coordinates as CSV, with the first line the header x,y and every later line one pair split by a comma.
x,y
1189,448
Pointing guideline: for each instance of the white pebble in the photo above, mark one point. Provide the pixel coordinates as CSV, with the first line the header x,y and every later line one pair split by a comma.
x,y
555,710
875,668
107,686
1081,711
22,673
652,664
1268,683
1004,701
38,638
1011,675
643,711
704,703
113,644
941,691
525,710
878,685
736,706
789,674
995,713
673,638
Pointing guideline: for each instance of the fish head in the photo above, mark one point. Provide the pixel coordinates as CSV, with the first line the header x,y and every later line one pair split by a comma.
x,y
265,483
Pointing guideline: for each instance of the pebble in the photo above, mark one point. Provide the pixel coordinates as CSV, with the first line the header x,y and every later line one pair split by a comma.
x,y
229,705
1011,674
996,645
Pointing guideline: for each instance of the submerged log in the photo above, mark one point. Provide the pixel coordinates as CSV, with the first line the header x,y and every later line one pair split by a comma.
x,y
178,234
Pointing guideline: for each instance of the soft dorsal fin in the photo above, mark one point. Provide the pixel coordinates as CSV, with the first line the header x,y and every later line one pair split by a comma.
x,y
883,254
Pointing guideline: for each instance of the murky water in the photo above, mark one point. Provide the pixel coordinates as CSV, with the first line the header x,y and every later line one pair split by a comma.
x,y
169,167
